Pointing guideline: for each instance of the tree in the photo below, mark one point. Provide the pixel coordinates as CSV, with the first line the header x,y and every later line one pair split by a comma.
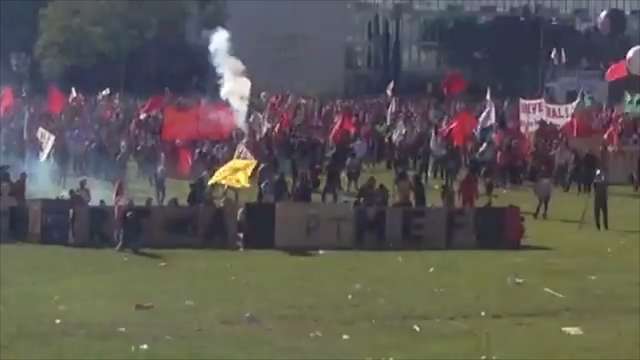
x,y
104,34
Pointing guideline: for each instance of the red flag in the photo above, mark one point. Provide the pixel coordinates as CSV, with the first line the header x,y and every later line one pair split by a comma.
x,y
580,125
7,100
461,128
184,161
216,121
343,127
454,84
154,104
207,121
617,71
180,124
56,101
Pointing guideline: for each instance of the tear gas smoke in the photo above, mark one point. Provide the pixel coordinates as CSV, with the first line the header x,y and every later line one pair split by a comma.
x,y
235,87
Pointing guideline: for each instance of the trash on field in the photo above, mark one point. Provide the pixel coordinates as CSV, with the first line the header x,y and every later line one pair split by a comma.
x,y
483,314
518,281
189,302
124,258
251,319
553,292
58,321
400,259
143,347
357,286
349,296
431,269
592,277
122,329
315,334
572,330
167,337
416,327
162,264
145,306
321,252
345,337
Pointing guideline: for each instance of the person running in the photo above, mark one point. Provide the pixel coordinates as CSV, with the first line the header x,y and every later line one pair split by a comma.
x,y
542,191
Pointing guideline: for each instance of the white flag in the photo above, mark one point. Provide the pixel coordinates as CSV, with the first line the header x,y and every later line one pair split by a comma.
x,y
389,90
488,116
46,140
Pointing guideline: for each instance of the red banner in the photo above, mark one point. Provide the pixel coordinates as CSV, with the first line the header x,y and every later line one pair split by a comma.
x,y
207,121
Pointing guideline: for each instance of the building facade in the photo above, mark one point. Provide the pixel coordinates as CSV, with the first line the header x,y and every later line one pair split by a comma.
x,y
336,47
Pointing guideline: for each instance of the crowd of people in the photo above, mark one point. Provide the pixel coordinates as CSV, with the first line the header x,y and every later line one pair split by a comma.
x,y
305,145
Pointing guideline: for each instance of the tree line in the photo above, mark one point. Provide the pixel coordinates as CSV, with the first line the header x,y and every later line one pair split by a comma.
x,y
134,45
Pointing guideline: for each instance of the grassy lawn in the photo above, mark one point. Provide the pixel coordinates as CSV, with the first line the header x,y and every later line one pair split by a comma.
x,y
438,304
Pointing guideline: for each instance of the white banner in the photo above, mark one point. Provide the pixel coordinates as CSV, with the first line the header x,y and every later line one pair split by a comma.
x,y
533,111
46,141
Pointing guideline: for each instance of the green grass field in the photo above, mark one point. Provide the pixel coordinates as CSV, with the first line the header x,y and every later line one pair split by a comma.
x,y
58,302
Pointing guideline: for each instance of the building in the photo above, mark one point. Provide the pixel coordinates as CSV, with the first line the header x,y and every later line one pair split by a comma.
x,y
335,47
290,45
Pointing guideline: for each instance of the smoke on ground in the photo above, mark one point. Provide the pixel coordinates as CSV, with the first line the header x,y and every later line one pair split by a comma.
x,y
235,86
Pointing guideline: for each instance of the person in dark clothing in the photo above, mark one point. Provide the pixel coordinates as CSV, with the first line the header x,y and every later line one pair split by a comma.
x,y
281,189
132,228
332,183
367,216
382,196
302,192
419,195
590,166
366,195
575,173
192,198
601,200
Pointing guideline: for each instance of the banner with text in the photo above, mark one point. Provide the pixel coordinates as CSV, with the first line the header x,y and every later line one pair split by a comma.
x,y
533,111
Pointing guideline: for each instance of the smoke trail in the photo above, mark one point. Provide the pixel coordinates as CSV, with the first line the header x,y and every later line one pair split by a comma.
x,y
235,87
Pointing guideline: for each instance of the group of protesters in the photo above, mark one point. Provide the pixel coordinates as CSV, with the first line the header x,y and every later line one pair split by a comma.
x,y
300,141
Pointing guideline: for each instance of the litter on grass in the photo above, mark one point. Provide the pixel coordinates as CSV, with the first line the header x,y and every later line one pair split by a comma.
x,y
145,306
572,330
557,294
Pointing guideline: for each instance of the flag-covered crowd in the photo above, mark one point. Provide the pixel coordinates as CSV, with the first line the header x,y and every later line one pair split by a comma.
x,y
299,140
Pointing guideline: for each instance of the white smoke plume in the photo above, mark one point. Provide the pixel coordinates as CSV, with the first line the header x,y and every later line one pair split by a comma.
x,y
235,87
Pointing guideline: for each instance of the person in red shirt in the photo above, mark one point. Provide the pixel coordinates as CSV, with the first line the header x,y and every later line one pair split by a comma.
x,y
469,190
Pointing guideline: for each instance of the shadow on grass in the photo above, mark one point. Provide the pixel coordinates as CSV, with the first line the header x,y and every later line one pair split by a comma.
x,y
148,255
301,253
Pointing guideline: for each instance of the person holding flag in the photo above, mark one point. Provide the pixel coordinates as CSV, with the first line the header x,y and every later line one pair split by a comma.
x,y
487,120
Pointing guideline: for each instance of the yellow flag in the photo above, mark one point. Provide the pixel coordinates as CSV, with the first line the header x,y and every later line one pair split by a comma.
x,y
235,173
